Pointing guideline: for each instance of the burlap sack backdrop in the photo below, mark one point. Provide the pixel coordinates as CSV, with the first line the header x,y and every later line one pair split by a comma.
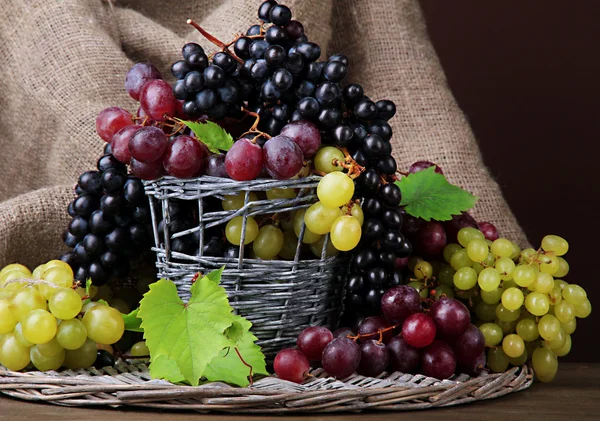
x,y
61,62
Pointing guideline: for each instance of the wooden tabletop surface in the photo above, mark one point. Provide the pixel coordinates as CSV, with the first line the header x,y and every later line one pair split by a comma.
x,y
573,395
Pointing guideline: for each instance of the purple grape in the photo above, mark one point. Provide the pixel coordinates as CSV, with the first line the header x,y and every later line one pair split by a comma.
x,y
438,360
148,144
403,357
244,161
312,340
373,324
469,345
215,165
489,230
400,302
282,157
474,367
431,238
341,357
451,317
410,225
138,76
343,332
374,358
454,225
305,134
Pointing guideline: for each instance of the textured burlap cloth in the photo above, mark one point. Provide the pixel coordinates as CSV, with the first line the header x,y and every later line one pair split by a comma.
x,y
61,62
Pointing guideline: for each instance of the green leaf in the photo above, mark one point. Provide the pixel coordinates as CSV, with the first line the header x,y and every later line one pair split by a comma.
x,y
132,321
211,134
428,195
215,275
165,368
88,285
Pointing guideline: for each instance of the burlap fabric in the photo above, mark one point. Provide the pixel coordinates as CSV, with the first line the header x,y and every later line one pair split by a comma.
x,y
61,62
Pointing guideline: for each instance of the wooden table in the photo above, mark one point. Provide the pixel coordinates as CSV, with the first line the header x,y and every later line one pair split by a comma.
x,y
573,395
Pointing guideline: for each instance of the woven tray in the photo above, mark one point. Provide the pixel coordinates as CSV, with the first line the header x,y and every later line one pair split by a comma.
x,y
130,385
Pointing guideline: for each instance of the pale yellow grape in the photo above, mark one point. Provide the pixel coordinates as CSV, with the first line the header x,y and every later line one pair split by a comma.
x,y
537,303
584,309
574,294
335,189
465,278
356,211
520,360
569,327
345,232
527,329
502,247
446,275
18,332
37,272
564,311
478,267
492,333
39,326
65,304
104,324
8,319
423,270
309,236
556,244
27,299
236,201
71,334
319,218
91,304
509,284
82,357
50,349
324,159
524,275
560,284
544,283
290,243
44,362
549,327
565,349
9,283
460,259
489,279
489,261
449,251
497,360
485,312
466,235
563,268
273,194
13,266
555,295
559,341
549,263
507,327
506,315
140,349
268,242
516,251
545,364
57,263
513,345
492,297
505,267
58,276
478,250
121,305
528,255
233,230
512,298
13,355
443,290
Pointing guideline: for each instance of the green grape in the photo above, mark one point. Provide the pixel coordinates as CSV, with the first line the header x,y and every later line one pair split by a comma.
x,y
524,275
478,250
555,296
423,270
309,236
574,294
502,248
584,309
71,334
446,275
65,304
563,268
492,333
549,263
412,261
56,263
569,327
15,266
443,291
317,248
233,230
512,298
527,329
324,159
236,201
25,300
335,189
91,304
460,259
485,312
489,261
506,315
537,303
559,341
565,349
290,243
520,360
556,244
513,345
120,304
50,349
509,284
286,220
39,326
436,266
18,332
497,360
356,211
560,284
104,324
516,251
528,255
466,235
13,355
564,311
465,278
59,276
492,297
7,286
507,327
505,267
420,287
345,232
544,283
478,267
319,218
268,242
8,320
44,362
283,193
37,272
140,349
545,364
82,357
549,327
449,251
488,279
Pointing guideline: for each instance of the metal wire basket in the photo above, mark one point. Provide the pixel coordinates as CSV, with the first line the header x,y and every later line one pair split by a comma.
x,y
279,297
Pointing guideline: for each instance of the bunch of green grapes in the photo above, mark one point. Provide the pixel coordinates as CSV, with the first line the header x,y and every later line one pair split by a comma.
x,y
43,320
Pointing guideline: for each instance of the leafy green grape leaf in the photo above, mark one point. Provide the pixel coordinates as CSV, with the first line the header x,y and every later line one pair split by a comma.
x,y
215,275
237,329
211,134
162,367
190,334
132,321
428,195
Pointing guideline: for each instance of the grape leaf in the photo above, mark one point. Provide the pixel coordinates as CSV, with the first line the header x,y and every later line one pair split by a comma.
x,y
132,321
165,368
428,195
211,134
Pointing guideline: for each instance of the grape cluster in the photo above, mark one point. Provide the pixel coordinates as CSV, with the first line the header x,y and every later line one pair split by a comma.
x,y
45,320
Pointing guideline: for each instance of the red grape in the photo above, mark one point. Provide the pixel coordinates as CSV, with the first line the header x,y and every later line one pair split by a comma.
x,y
372,325
111,120
400,302
146,171
341,357
120,143
343,332
244,161
291,364
305,134
374,358
418,330
215,165
157,99
421,165
451,317
312,340
489,230
431,238
138,76
438,360
458,222
148,144
469,345
410,225
403,357
400,262
283,158
184,157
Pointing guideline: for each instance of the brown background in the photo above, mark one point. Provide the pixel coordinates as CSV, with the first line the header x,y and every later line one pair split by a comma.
x,y
527,75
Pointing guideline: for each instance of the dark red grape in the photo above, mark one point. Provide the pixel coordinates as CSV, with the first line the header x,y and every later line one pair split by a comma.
x,y
374,358
371,325
148,144
120,143
138,76
421,165
111,120
474,367
431,238
305,134
343,332
215,165
244,161
341,357
282,157
489,230
410,225
157,99
291,364
312,340
403,357
468,346
400,262
438,360
184,157
451,317
146,171
418,330
458,222
400,302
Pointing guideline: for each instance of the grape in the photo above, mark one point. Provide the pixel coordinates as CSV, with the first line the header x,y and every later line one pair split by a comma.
x,y
418,330
423,270
140,349
450,250
489,279
356,212
569,327
345,232
312,340
215,166
421,165
111,120
268,242
501,248
341,357
555,244
138,76
13,355
583,310
469,345
324,160
104,359
505,267
371,326
400,302
497,360
419,286
512,298
477,250
460,259
431,238
233,230
545,364
524,275
290,243
559,341
402,356
319,218
148,144
465,278
456,223
104,324
65,304
335,189
291,364
157,99
563,268
71,334
485,312
505,315
574,294
18,332
306,135
549,327
438,360
39,326
282,157
490,232
282,193
244,161
26,300
468,234
451,317
374,358
537,303
82,357
565,349
309,236
236,201
8,321
184,157
549,263
513,345
544,283
443,291
492,333
50,349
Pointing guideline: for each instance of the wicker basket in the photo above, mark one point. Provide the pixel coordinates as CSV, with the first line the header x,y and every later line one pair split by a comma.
x,y
279,297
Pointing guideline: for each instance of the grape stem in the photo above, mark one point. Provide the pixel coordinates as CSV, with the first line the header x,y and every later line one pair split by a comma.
x,y
354,169
246,364
254,127
215,40
378,332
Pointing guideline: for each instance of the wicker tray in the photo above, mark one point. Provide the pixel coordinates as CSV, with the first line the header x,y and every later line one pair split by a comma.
x,y
130,385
